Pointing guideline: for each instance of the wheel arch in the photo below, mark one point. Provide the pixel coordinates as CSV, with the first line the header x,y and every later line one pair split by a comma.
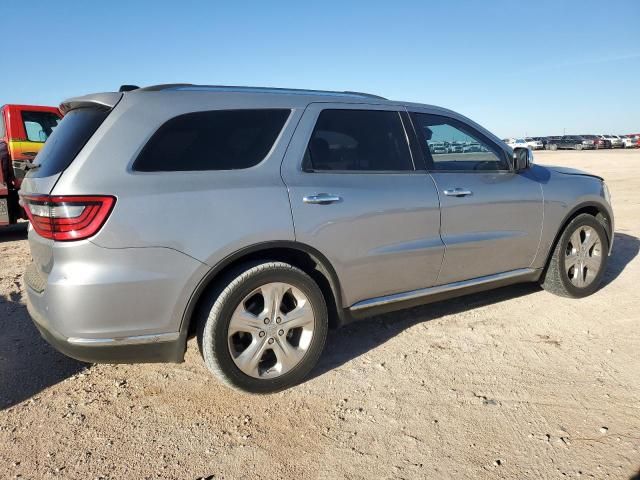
x,y
300,255
597,210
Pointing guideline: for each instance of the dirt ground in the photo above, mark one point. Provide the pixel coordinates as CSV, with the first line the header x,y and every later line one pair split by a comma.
x,y
514,383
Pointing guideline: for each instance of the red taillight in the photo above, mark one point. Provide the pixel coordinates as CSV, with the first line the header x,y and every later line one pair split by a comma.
x,y
67,217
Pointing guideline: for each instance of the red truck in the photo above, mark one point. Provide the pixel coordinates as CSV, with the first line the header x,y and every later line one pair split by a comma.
x,y
23,131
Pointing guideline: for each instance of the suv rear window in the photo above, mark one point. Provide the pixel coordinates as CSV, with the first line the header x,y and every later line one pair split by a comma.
x,y
67,139
215,140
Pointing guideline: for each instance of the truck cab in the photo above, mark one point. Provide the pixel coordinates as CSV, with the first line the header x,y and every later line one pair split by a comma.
x,y
23,131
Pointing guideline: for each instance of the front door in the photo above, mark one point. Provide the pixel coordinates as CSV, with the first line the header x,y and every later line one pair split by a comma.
x,y
357,197
491,215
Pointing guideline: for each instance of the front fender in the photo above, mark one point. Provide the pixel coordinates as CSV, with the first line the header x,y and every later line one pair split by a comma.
x,y
565,196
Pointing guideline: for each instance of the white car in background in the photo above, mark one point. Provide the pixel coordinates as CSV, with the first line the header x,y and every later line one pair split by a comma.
x,y
534,144
616,141
516,142
629,141
456,147
438,147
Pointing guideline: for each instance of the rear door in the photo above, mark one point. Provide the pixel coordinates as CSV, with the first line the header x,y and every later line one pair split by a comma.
x,y
491,215
357,197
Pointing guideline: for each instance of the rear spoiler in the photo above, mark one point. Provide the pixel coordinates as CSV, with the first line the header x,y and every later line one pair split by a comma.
x,y
106,100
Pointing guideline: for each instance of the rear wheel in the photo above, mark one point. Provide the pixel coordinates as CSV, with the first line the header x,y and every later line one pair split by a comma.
x,y
266,329
578,262
578,146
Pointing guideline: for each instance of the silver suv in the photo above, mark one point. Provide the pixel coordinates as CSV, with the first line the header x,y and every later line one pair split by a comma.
x,y
257,218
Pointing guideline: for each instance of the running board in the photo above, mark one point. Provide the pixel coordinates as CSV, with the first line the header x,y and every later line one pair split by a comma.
x,y
413,298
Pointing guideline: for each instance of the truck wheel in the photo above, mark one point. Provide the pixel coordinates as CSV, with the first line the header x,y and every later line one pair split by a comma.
x,y
265,330
553,147
578,262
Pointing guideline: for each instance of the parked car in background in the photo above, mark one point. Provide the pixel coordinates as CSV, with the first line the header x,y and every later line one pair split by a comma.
x,y
455,147
534,143
552,143
542,140
119,272
515,142
636,137
23,131
597,141
439,147
605,142
616,142
572,142
629,141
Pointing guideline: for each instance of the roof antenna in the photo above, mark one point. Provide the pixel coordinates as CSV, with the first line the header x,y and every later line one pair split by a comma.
x,y
128,88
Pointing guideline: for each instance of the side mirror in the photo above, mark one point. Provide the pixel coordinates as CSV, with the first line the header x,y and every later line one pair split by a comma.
x,y
522,158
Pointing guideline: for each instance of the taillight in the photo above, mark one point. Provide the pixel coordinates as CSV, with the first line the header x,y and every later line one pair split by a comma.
x,y
67,217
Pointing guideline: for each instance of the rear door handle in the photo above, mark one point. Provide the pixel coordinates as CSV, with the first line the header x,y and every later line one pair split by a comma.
x,y
457,192
321,199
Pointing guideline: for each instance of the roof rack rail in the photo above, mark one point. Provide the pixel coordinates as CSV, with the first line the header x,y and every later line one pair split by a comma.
x,y
164,86
230,88
370,95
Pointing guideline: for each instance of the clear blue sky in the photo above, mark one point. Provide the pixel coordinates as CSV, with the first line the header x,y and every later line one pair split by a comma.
x,y
515,67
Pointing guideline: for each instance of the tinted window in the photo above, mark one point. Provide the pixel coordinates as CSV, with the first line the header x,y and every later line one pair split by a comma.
x,y
216,140
66,141
39,125
453,145
365,140
1,124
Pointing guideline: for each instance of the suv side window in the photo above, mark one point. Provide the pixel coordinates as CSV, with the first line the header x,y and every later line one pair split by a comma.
x,y
214,140
450,145
358,140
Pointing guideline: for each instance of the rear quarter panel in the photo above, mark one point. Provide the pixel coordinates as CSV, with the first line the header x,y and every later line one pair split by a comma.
x,y
206,214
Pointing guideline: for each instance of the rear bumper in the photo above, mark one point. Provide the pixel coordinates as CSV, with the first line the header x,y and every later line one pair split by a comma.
x,y
139,349
111,305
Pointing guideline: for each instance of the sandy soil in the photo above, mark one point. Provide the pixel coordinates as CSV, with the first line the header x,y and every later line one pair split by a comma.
x,y
514,383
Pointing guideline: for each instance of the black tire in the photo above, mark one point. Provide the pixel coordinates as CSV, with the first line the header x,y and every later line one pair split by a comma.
x,y
578,146
553,147
556,279
216,315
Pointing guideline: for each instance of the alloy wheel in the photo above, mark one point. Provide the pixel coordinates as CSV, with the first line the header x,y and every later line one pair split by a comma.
x,y
583,256
271,330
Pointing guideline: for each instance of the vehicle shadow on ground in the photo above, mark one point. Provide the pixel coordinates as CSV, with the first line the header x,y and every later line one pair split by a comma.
x,y
14,233
625,249
358,338
28,364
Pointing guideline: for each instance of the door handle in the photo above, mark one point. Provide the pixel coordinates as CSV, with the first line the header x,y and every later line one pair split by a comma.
x,y
457,192
321,199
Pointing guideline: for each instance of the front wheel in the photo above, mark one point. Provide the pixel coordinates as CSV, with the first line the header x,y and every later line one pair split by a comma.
x,y
553,147
579,260
266,329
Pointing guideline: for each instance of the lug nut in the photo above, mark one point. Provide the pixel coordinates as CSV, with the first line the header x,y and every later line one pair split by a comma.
x,y
278,320
270,341
262,334
280,332
266,320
